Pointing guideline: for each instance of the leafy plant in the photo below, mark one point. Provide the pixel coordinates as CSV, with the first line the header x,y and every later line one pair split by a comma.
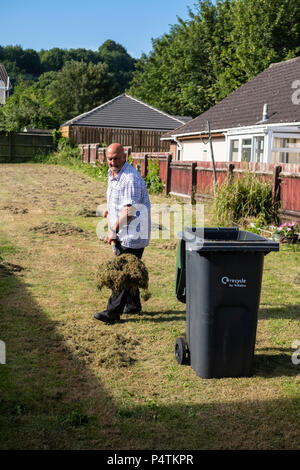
x,y
152,179
68,154
247,197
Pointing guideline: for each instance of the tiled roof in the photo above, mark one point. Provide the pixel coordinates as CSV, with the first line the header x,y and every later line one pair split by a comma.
x,y
244,107
127,112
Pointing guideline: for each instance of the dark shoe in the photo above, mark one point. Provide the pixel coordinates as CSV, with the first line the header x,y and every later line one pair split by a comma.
x,y
107,317
132,311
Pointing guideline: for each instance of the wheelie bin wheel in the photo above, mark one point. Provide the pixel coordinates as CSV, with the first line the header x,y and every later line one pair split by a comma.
x,y
181,352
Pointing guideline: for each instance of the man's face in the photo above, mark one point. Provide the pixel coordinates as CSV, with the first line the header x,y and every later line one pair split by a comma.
x,y
115,160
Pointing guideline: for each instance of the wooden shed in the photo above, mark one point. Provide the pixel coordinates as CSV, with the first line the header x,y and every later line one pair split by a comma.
x,y
126,120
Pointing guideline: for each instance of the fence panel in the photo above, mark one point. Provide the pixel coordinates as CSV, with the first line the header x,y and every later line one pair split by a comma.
x,y
195,180
290,197
140,140
180,179
21,147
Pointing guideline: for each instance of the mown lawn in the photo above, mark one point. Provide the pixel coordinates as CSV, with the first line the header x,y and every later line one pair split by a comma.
x,y
71,382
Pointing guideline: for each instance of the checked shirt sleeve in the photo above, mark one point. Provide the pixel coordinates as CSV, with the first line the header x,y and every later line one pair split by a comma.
x,y
131,191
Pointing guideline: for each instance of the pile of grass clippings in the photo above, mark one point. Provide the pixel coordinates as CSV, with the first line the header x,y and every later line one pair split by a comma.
x,y
57,228
117,351
15,209
124,271
85,212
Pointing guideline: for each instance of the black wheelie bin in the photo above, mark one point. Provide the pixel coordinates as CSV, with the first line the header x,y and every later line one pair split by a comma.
x,y
218,276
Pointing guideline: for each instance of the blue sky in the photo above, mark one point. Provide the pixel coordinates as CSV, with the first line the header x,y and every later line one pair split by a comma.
x,y
40,24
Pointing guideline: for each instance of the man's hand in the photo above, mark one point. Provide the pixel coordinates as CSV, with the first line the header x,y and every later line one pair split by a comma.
x,y
105,213
126,215
111,236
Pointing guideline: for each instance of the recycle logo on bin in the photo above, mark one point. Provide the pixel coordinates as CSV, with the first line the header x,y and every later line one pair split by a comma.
x,y
228,282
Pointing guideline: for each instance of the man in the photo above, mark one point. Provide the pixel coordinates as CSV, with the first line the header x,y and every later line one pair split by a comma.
x,y
128,212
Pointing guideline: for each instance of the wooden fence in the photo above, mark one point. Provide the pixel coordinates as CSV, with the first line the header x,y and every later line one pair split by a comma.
x,y
22,146
194,181
138,139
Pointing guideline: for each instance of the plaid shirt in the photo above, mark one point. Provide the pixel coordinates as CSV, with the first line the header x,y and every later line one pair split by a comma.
x,y
128,188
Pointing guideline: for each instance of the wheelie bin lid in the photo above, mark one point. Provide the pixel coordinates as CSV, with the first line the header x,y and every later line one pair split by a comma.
x,y
225,239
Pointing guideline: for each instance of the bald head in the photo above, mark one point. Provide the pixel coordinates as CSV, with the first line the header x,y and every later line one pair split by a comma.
x,y
115,156
115,148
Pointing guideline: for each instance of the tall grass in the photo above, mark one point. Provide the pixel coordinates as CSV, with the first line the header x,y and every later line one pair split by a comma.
x,y
247,197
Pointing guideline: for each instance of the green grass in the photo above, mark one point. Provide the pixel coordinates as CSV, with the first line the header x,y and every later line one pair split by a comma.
x,y
71,382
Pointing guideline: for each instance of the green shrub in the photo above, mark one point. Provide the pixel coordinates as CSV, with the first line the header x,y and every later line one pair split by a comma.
x,y
68,154
57,135
152,179
247,197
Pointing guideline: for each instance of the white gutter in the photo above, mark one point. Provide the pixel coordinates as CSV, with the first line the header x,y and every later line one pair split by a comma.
x,y
191,133
232,129
178,143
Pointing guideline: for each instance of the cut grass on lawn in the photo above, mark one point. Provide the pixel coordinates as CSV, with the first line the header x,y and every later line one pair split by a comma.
x,y
71,382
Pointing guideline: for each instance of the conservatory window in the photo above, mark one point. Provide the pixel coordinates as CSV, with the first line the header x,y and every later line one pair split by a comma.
x,y
246,150
286,150
258,144
234,150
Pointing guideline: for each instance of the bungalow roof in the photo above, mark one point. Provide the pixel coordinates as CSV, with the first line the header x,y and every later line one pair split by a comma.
x,y
126,112
278,86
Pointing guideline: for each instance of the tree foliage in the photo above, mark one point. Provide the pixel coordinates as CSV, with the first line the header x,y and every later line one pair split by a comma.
x,y
219,48
53,86
57,97
28,107
119,62
80,87
222,45
27,64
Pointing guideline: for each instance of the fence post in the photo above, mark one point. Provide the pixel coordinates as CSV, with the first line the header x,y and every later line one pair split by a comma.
x,y
276,185
9,146
145,169
193,181
168,173
230,175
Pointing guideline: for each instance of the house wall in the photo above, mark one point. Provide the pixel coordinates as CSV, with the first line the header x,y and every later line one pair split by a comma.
x,y
173,150
197,150
2,92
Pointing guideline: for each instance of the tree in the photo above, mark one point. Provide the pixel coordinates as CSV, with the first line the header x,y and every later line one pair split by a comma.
x,y
79,87
257,33
219,48
28,107
119,62
52,59
176,75
20,63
